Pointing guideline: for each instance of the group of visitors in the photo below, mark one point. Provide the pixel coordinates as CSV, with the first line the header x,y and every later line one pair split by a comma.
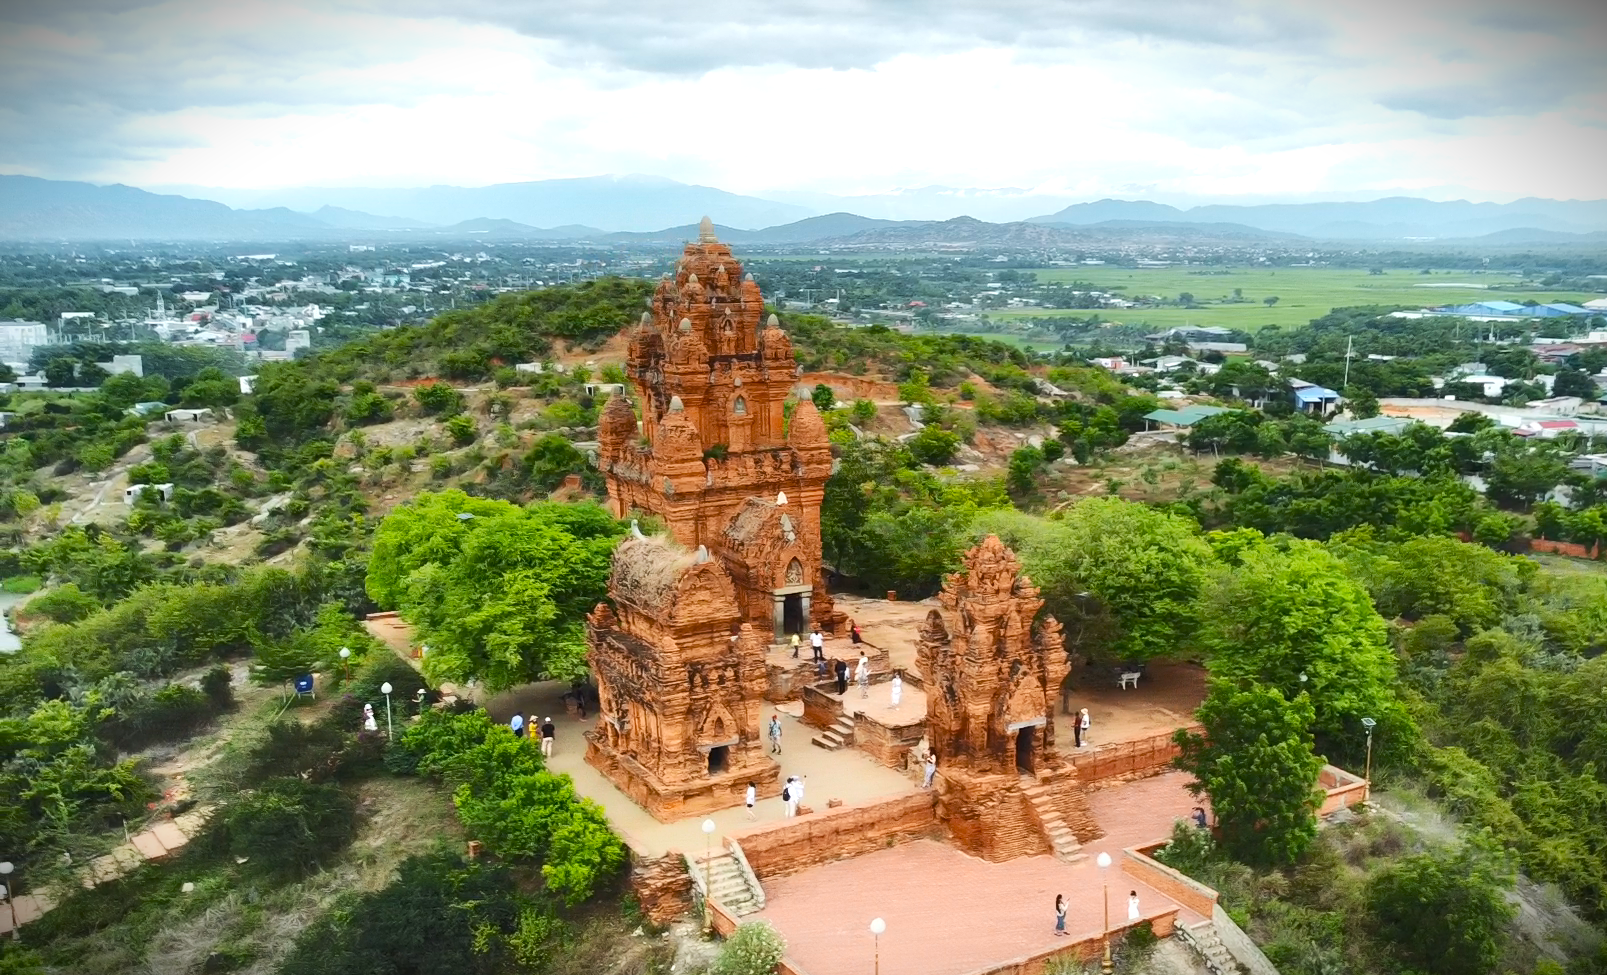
x,y
546,730
1060,911
792,793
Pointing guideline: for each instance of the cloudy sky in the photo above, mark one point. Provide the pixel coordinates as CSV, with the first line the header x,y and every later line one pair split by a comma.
x,y
1181,102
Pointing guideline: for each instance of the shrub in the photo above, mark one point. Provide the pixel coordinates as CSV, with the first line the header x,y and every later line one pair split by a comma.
x,y
934,446
438,398
218,685
65,604
440,916
139,719
286,827
462,429
754,948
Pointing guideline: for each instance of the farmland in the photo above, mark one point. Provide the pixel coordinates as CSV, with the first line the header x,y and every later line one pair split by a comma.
x,y
1303,293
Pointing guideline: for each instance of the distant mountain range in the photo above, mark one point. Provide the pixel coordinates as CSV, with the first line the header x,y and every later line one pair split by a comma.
x,y
623,209
1389,219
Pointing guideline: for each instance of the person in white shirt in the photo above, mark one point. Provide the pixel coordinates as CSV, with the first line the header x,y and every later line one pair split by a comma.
x,y
862,675
898,691
1082,727
752,797
798,790
817,643
789,801
1132,905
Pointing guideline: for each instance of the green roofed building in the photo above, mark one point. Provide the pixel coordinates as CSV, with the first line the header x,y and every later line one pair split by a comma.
x,y
1181,419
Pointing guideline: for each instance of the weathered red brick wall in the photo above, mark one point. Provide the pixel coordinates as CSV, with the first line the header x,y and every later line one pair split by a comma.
x,y
888,744
778,849
1131,759
1564,548
662,886
1087,950
988,816
1190,893
1341,789
851,387
821,710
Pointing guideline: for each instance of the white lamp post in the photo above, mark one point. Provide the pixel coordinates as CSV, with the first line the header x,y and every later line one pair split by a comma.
x,y
345,661
708,876
1104,874
385,689
877,926
9,892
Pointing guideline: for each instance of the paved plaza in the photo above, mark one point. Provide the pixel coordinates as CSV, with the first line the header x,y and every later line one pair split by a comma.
x,y
948,913
849,775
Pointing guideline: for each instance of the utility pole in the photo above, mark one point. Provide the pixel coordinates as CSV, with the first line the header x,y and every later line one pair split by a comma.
x,y
1349,345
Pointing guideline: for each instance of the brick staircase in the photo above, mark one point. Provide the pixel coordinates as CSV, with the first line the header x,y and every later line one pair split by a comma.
x,y
839,735
1040,799
730,885
1202,938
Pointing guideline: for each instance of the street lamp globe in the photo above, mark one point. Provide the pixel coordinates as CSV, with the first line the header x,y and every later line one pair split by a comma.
x,y
1103,860
708,826
385,688
878,927
345,652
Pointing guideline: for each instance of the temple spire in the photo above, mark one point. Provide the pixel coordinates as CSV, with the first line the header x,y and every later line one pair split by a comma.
x,y
705,232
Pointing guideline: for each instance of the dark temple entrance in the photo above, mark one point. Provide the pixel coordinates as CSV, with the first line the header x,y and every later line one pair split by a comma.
x,y
792,613
717,760
1024,749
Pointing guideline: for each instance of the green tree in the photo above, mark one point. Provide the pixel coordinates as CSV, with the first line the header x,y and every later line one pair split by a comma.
x,y
1442,913
1288,611
1255,761
1022,477
462,429
1127,574
1572,382
500,595
1270,301
823,398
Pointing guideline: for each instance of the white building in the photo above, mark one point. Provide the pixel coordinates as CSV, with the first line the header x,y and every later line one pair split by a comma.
x,y
132,493
124,363
297,338
18,339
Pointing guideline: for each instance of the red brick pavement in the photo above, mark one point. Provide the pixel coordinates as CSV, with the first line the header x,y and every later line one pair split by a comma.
x,y
949,914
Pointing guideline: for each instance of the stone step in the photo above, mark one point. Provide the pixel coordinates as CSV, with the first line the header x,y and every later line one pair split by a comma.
x,y
827,740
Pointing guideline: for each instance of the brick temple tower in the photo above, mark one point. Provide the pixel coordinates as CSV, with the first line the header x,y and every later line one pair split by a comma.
x,y
993,669
714,455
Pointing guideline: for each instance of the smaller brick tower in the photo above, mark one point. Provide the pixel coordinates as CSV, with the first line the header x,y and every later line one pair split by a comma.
x,y
993,671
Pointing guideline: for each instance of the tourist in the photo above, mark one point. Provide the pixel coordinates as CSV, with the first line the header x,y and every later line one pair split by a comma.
x,y
789,802
1199,817
549,732
931,770
796,646
1082,728
842,677
798,790
820,666
898,690
369,724
853,632
862,676
1132,905
1076,727
517,724
817,644
775,734
1060,915
753,796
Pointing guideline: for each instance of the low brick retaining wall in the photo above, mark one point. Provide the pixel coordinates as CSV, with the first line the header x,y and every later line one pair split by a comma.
x,y
1132,759
662,886
791,845
1341,789
1184,890
1087,950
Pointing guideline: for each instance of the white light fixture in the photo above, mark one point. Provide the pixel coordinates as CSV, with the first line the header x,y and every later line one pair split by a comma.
x,y
385,689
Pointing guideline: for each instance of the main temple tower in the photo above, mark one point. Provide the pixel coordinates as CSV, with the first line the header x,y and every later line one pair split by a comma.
x,y
714,454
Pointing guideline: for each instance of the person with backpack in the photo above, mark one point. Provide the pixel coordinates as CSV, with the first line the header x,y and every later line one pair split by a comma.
x,y
775,734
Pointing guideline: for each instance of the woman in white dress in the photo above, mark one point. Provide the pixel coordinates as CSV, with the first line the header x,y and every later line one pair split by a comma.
x,y
898,690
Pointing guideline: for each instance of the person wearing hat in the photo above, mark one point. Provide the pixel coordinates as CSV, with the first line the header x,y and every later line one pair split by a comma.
x,y
548,732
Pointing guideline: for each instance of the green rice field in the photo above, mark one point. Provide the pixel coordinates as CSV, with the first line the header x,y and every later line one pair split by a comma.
x,y
1303,293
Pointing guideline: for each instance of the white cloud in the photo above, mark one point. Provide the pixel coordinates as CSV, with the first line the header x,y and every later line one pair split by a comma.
x,y
1177,101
